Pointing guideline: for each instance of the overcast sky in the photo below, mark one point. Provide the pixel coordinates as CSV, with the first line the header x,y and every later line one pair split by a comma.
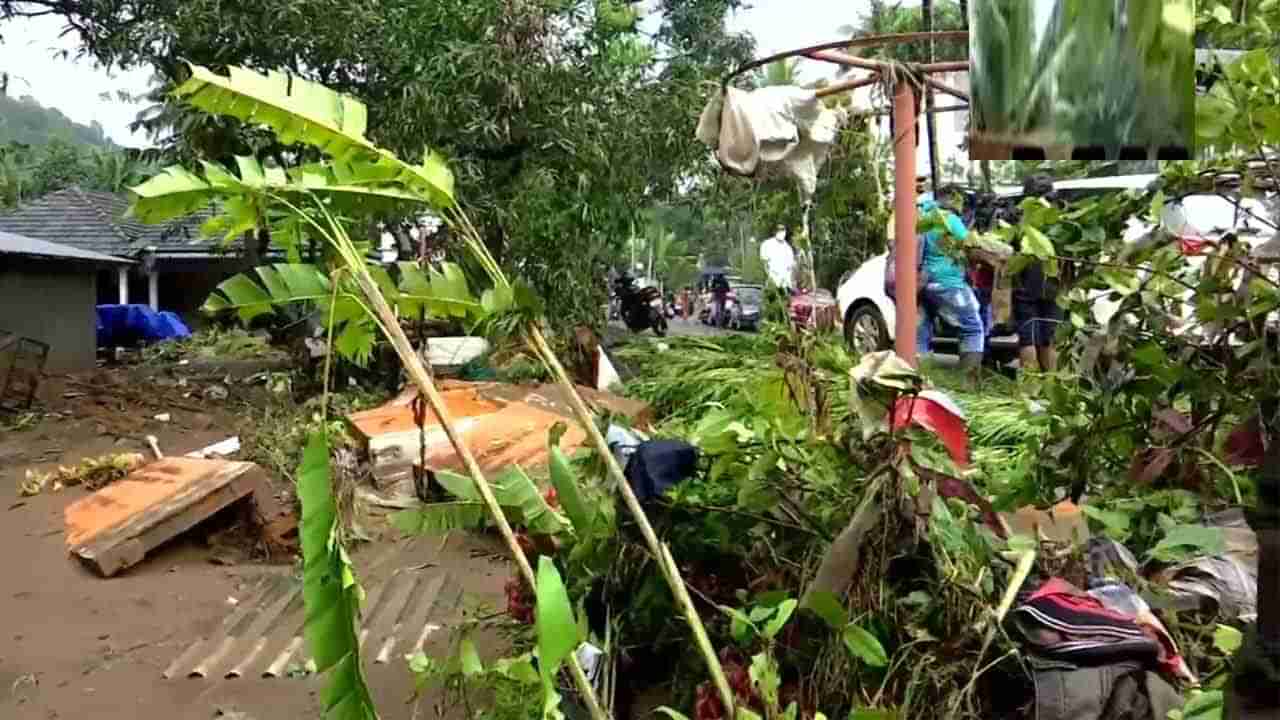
x,y
28,52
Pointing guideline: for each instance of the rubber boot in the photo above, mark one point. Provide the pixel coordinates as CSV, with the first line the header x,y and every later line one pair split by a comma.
x,y
971,365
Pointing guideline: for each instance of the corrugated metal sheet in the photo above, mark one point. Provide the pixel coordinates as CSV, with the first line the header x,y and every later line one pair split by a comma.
x,y
12,243
406,602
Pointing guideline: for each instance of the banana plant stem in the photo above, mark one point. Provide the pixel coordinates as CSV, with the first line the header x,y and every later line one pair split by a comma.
x,y
661,553
418,373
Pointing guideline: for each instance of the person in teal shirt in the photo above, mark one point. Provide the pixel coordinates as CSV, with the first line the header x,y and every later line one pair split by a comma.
x,y
947,293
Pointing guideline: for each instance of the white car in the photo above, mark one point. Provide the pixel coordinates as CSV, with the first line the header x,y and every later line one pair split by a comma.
x,y
869,314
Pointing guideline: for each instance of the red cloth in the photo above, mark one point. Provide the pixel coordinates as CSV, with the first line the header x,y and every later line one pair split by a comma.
x,y
982,275
938,419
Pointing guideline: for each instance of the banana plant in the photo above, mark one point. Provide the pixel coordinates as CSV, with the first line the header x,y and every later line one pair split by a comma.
x,y
357,176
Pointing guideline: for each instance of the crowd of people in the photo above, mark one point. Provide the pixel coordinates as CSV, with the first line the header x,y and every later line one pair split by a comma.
x,y
961,293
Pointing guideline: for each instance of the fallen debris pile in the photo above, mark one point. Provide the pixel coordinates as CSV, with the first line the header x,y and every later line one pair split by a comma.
x,y
504,425
92,473
857,541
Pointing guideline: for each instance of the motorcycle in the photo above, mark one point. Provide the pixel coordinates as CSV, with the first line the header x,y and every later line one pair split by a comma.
x,y
641,308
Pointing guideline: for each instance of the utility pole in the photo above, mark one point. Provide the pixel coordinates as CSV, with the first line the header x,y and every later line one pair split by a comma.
x,y
931,126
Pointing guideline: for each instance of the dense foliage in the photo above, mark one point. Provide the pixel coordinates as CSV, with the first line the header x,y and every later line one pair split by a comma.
x,y
28,172
42,151
555,116
1062,85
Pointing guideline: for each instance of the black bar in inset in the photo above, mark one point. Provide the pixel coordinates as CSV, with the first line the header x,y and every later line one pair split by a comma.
x,y
1027,152
1173,152
1088,152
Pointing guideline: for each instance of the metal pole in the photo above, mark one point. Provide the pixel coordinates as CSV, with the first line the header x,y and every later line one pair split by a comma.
x,y
904,213
931,127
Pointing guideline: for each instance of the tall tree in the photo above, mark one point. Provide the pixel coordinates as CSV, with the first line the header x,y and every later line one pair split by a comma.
x,y
560,119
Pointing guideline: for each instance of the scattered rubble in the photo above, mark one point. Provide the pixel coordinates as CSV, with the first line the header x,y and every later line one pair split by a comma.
x,y
92,473
502,424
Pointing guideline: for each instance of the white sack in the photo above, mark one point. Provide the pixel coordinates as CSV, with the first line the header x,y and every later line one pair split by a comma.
x,y
773,129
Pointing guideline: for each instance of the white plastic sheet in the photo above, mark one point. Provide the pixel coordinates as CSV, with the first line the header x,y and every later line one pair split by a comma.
x,y
778,129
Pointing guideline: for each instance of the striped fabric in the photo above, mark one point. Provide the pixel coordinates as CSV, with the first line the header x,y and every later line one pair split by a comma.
x,y
1062,622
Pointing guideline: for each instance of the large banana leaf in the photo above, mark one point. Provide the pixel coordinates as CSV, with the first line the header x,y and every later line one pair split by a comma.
x,y
440,293
330,591
514,490
301,111
176,192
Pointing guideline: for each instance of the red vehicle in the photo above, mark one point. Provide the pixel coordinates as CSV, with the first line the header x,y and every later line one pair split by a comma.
x,y
815,310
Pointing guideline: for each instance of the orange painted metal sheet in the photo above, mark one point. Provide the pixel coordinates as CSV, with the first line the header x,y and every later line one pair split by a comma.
x,y
397,415
516,435
149,487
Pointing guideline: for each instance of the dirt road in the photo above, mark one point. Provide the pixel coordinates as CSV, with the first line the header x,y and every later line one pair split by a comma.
x,y
74,645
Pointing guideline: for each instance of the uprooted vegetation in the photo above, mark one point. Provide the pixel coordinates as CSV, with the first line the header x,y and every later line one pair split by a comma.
x,y
216,344
810,535
904,618
778,484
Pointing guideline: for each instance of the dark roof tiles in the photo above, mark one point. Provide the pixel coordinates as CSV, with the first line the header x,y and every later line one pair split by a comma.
x,y
97,222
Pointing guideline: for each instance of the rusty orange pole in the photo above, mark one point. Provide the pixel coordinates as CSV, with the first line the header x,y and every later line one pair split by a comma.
x,y
904,227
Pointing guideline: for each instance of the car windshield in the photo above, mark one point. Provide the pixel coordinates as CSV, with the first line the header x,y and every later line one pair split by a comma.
x,y
748,295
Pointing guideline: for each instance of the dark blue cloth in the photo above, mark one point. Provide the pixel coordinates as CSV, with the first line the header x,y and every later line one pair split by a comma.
x,y
125,325
657,465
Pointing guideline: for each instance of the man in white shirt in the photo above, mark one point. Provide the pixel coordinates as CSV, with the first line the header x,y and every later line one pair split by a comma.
x,y
779,263
779,259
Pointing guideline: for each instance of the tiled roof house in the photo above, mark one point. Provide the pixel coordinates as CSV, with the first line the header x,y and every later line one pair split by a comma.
x,y
173,268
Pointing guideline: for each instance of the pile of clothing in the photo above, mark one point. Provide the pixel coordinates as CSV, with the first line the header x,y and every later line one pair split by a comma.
x,y
1099,654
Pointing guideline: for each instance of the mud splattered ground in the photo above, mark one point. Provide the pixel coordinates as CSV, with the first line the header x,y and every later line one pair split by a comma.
x,y
74,645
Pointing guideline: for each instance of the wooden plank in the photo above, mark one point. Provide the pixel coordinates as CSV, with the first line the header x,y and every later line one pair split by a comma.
x,y
115,527
517,435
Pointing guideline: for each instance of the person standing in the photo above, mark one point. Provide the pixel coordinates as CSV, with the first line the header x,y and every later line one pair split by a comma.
x,y
1035,300
719,294
947,294
779,260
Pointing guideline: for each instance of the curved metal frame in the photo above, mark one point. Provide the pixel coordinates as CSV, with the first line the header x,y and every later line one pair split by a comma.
x,y
869,41
904,151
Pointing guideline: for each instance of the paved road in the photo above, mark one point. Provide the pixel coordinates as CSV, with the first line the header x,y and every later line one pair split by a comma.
x,y
676,328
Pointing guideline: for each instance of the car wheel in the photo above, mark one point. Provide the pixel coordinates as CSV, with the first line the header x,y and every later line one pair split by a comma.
x,y
864,329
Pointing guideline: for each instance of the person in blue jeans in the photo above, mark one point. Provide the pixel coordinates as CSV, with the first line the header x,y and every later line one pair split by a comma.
x,y
948,295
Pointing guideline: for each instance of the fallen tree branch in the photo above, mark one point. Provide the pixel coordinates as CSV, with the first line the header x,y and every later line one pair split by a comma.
x,y
844,555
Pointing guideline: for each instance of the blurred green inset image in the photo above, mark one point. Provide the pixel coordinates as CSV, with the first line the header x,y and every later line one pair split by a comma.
x,y
1063,74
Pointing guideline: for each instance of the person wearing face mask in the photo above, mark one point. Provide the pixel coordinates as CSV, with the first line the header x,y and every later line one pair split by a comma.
x,y
779,260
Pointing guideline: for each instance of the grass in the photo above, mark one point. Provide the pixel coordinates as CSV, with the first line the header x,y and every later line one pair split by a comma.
x,y
214,343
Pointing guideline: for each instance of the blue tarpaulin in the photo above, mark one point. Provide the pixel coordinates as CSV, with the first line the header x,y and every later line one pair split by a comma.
x,y
127,325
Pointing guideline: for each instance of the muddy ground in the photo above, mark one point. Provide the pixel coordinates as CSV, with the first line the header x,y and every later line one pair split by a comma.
x,y
75,645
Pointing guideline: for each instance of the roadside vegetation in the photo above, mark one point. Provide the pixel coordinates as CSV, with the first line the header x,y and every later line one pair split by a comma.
x,y
821,563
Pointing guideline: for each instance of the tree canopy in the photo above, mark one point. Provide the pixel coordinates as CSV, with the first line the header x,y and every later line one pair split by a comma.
x,y
556,116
